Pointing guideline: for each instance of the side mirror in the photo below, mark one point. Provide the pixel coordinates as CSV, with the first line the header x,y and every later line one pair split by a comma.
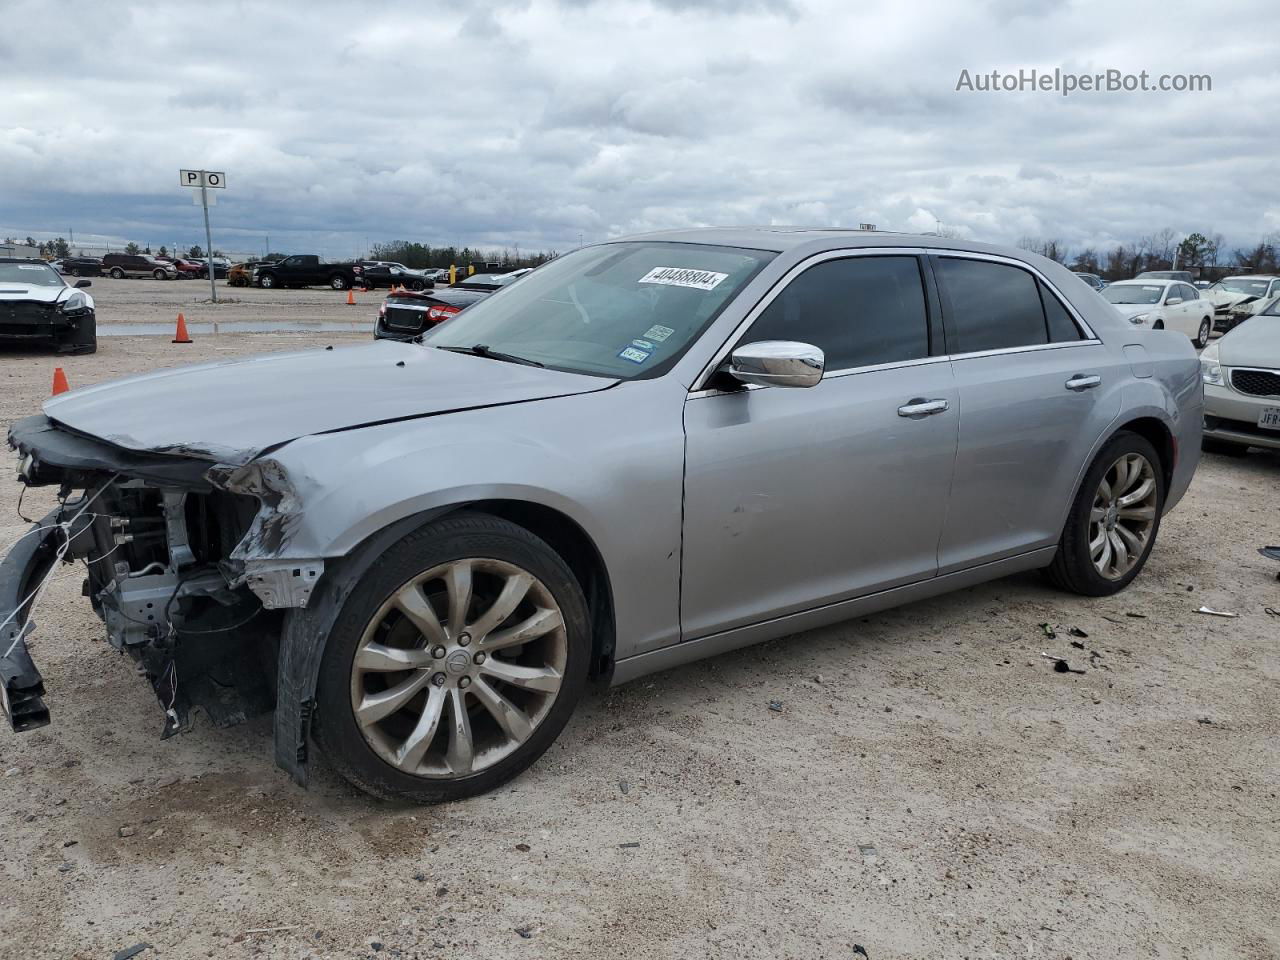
x,y
84,283
778,363
1173,301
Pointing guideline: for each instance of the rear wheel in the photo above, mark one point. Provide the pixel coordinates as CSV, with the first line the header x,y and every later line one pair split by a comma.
x,y
416,285
1114,520
456,661
1202,337
158,274
338,282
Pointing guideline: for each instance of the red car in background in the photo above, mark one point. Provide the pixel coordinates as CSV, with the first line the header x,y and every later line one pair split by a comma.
x,y
187,269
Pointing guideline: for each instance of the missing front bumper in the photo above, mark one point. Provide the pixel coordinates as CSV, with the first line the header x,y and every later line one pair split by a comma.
x,y
21,685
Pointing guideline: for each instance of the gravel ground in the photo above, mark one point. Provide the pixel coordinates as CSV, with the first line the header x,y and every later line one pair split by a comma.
x,y
929,786
160,301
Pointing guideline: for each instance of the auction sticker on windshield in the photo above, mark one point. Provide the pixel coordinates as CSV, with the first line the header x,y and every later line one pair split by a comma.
x,y
683,277
658,332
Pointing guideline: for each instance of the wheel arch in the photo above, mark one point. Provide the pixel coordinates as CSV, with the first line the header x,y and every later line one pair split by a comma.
x,y
306,630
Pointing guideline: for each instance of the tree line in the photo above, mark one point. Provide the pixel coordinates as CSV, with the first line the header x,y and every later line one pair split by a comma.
x,y
1203,254
421,256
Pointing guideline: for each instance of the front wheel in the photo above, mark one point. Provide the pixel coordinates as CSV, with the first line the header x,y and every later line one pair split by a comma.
x,y
455,662
1202,337
1113,522
267,281
117,273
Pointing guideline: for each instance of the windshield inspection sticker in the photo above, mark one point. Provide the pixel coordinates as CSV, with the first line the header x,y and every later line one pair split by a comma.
x,y
658,332
682,277
634,354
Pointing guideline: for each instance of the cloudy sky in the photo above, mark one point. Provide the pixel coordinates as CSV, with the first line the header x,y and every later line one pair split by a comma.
x,y
534,122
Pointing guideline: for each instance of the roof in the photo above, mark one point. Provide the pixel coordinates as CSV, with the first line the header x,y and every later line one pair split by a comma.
x,y
1145,282
781,238
1253,276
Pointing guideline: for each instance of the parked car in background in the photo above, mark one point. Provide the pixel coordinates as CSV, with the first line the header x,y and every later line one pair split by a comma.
x,y
1163,304
1241,374
648,451
187,269
383,273
241,274
488,282
1093,280
1182,276
79,266
36,303
221,266
406,314
305,270
1236,299
120,265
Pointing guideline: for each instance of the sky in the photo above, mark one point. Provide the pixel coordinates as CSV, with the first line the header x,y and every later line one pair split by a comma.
x,y
537,124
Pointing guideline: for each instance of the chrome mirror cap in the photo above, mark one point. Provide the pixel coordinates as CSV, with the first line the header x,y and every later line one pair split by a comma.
x,y
778,363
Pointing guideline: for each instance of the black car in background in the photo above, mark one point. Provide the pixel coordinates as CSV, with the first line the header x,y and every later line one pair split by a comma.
x,y
79,266
382,273
1092,279
407,313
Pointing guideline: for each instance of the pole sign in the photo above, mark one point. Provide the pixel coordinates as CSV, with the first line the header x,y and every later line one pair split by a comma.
x,y
203,178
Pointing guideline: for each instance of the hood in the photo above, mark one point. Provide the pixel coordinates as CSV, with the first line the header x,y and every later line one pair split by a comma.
x,y
1255,343
234,410
1225,298
40,293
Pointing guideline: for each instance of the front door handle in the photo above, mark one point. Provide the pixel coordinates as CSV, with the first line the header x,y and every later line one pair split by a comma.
x,y
1082,382
920,407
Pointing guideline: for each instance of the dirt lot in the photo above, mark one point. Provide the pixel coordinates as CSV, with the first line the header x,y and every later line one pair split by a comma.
x,y
929,787
160,301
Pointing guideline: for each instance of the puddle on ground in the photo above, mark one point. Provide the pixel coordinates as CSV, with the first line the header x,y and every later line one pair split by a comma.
x,y
236,326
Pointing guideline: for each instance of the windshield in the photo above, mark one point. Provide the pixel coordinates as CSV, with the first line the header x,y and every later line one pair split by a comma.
x,y
620,310
1253,288
32,274
1133,293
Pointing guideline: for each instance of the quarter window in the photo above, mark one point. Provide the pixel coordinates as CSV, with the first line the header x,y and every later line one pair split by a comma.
x,y
990,306
1062,329
859,311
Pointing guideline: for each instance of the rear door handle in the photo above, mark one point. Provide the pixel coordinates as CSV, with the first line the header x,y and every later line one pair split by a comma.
x,y
920,407
1083,382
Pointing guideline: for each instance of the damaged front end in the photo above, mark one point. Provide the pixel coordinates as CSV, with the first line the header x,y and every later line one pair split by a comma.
x,y
178,553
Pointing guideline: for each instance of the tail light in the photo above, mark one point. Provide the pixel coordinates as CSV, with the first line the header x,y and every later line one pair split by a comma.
x,y
442,313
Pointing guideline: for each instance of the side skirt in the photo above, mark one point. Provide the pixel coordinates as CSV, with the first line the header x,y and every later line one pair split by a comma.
x,y
709,646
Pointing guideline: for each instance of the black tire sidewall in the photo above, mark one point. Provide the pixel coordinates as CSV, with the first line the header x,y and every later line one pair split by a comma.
x,y
1075,537
451,538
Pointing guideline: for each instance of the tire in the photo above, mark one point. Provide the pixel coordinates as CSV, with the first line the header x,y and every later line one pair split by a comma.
x,y
158,274
1223,448
492,549
85,339
1073,567
267,281
74,272
1202,338
117,273
338,282
416,285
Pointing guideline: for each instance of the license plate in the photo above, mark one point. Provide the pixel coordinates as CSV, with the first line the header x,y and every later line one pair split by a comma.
x,y
1269,418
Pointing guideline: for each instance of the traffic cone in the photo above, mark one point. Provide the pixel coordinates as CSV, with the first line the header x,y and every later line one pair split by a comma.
x,y
351,298
180,335
60,384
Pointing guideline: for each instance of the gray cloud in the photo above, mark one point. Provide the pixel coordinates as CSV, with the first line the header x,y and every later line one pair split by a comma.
x,y
534,121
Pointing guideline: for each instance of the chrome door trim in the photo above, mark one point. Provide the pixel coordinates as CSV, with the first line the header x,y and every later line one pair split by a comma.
x,y
731,341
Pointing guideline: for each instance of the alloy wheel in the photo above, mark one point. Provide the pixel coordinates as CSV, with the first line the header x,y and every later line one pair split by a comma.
x,y
458,667
1123,515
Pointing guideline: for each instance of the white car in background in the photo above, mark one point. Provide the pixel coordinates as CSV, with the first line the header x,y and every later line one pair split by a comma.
x,y
1241,374
1163,305
1236,299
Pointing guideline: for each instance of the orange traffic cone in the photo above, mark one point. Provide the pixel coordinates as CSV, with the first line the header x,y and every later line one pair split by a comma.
x,y
60,384
351,298
181,335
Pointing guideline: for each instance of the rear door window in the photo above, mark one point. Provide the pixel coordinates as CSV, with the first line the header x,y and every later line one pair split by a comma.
x,y
990,306
859,311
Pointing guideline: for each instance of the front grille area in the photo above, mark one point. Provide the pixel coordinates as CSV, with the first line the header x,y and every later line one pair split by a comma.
x,y
1257,383
27,317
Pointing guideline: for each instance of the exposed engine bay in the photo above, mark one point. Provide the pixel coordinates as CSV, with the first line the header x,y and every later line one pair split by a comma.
x,y
156,538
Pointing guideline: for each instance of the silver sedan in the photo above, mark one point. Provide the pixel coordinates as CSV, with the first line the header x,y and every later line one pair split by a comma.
x,y
645,452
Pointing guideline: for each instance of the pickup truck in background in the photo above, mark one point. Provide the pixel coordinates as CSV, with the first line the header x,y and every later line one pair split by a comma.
x,y
306,270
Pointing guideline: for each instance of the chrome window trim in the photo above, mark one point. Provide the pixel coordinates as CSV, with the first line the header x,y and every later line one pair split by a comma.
x,y
785,280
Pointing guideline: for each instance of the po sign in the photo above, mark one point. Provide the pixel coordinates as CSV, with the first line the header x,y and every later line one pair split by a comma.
x,y
202,178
